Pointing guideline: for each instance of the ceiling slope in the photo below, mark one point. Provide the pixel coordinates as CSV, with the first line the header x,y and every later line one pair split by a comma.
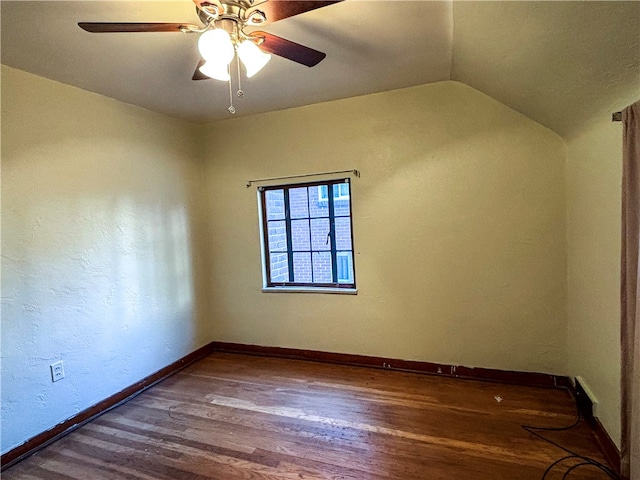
x,y
559,63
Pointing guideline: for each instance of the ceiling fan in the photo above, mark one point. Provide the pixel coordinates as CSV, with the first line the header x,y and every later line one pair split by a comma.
x,y
223,34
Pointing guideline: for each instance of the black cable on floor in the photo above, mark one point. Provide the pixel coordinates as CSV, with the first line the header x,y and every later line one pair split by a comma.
x,y
586,461
576,466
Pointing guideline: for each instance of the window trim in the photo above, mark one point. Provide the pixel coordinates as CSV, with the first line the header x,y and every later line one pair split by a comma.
x,y
304,287
292,289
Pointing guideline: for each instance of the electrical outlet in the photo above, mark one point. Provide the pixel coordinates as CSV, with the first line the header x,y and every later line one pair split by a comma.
x,y
57,371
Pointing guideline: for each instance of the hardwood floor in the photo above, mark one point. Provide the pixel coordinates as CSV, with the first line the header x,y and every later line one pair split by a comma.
x,y
232,417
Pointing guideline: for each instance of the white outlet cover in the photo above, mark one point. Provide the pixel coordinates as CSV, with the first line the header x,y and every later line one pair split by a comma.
x,y
57,371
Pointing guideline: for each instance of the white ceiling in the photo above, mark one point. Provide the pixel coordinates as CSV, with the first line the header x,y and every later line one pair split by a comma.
x,y
556,62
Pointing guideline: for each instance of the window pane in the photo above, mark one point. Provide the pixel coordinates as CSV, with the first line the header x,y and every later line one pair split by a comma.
x,y
300,237
341,205
320,234
340,190
322,267
317,207
298,202
302,267
322,193
275,204
279,267
277,232
345,267
343,233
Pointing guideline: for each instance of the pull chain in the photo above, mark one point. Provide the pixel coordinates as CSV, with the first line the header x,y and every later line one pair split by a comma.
x,y
240,92
231,109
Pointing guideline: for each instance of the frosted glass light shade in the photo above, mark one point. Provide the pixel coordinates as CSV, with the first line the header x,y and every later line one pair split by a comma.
x,y
252,57
216,45
215,69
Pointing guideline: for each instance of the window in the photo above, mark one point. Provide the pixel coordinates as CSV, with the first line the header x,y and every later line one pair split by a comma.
x,y
307,235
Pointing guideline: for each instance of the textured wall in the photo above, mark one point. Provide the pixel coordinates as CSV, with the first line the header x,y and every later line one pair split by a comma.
x,y
594,173
101,256
459,226
559,63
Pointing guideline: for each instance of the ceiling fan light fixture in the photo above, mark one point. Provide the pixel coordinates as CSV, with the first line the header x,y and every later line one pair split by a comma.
x,y
216,70
215,45
218,45
252,57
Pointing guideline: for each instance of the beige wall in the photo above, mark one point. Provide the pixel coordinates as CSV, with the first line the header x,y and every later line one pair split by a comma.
x,y
594,172
459,226
101,249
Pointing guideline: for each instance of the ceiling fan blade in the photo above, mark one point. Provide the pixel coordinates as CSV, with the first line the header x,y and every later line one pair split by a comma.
x,y
112,27
198,75
289,50
278,9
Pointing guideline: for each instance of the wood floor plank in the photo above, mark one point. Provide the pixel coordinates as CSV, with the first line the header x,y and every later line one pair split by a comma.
x,y
238,417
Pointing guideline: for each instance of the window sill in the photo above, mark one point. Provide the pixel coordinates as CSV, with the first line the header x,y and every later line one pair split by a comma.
x,y
343,291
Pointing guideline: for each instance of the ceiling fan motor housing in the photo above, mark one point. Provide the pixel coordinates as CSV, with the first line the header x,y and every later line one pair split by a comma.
x,y
238,11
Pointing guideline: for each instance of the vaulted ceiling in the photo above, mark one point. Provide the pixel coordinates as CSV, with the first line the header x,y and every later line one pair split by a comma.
x,y
559,63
